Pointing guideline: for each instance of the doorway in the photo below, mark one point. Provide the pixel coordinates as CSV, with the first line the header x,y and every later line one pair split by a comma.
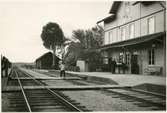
x,y
134,64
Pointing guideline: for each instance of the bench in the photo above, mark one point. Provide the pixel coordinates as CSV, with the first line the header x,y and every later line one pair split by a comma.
x,y
153,70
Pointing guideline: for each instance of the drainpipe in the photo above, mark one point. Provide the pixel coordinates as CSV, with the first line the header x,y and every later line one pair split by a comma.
x,y
140,19
140,59
101,53
164,39
164,8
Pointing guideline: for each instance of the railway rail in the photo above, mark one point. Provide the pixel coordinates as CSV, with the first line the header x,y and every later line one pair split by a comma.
x,y
55,100
41,100
145,99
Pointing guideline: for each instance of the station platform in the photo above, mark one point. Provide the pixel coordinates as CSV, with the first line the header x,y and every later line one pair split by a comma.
x,y
123,79
119,79
148,83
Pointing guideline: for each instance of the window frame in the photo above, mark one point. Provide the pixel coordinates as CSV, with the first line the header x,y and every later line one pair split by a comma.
x,y
105,60
148,30
121,29
106,40
130,31
110,36
151,56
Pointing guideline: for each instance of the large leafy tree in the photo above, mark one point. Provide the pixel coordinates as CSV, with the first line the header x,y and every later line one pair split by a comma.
x,y
72,54
80,35
52,36
87,49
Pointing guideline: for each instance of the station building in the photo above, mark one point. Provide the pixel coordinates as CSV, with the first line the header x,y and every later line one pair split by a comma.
x,y
45,61
135,37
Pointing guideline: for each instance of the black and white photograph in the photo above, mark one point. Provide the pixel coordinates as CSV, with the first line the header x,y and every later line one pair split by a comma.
x,y
82,56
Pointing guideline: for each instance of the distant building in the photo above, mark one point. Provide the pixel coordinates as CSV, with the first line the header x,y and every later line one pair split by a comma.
x,y
135,36
45,61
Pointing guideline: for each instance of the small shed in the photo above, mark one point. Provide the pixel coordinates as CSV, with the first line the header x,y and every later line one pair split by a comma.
x,y
45,61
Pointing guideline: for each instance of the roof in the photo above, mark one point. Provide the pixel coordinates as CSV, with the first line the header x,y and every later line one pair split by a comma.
x,y
115,6
134,41
46,54
107,19
144,2
112,12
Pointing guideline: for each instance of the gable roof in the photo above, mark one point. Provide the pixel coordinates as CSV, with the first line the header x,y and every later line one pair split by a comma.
x,y
115,6
107,19
46,54
144,2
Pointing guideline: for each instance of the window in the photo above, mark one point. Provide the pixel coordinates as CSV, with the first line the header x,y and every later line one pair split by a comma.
x,y
121,60
123,33
127,58
151,25
151,57
105,60
106,40
110,35
131,30
127,9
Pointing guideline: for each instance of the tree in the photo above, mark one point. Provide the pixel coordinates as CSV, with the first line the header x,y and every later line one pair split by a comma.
x,y
98,35
74,50
87,49
52,36
80,35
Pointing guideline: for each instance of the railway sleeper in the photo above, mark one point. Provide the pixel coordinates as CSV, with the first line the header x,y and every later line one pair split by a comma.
x,y
139,99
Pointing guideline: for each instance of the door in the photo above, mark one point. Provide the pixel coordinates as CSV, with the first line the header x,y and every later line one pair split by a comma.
x,y
109,64
134,64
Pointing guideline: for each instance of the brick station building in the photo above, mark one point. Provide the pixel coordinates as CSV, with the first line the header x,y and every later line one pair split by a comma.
x,y
135,36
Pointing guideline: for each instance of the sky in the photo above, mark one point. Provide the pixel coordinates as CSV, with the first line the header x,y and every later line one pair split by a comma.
x,y
21,23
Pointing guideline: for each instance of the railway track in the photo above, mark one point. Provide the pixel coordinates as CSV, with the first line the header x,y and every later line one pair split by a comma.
x,y
138,97
44,100
53,100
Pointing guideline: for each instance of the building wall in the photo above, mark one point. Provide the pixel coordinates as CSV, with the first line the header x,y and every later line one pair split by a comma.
x,y
143,60
45,62
135,15
83,65
138,15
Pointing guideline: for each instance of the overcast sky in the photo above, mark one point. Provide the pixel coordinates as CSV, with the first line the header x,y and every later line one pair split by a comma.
x,y
21,23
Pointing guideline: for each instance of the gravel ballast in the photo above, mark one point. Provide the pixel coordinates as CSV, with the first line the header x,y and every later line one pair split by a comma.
x,y
100,101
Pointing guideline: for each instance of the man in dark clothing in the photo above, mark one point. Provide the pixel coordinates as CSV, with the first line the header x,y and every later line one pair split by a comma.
x,y
113,65
62,70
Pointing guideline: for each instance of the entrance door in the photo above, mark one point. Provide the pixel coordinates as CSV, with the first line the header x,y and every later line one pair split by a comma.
x,y
134,64
109,64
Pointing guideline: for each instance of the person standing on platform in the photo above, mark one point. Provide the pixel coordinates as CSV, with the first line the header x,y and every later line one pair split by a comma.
x,y
62,69
113,66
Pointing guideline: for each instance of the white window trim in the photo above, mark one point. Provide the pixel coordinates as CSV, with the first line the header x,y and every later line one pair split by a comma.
x,y
148,24
130,31
110,36
106,39
121,29
151,57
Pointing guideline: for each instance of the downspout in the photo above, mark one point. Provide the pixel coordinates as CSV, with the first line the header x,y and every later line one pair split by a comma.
x,y
140,20
141,64
101,53
164,39
103,32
